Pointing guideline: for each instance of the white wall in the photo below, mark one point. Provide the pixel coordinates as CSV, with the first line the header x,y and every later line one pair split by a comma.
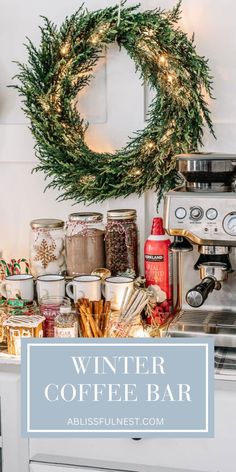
x,y
114,104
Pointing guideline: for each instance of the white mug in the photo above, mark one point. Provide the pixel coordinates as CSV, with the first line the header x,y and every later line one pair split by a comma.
x,y
117,290
50,286
18,286
84,286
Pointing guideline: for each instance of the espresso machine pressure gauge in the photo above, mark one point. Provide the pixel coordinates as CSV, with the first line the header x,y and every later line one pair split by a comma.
x,y
229,224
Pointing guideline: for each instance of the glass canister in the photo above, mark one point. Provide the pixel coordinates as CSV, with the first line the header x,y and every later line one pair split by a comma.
x,y
50,309
66,324
47,254
85,245
121,237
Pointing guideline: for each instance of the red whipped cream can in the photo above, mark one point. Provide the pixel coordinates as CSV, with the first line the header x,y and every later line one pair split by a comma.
x,y
158,266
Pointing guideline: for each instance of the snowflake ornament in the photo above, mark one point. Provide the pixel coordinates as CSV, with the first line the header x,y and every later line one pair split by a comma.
x,y
45,253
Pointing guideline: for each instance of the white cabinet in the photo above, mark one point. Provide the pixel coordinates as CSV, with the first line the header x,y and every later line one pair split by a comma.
x,y
14,449
194,454
93,455
59,468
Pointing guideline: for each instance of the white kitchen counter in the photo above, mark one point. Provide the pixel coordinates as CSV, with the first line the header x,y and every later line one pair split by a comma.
x,y
6,358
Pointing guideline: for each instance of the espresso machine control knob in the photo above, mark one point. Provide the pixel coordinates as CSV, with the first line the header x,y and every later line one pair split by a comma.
x,y
229,224
211,214
197,295
180,213
196,213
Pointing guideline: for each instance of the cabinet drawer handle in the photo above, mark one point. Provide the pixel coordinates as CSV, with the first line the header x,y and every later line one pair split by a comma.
x,y
136,439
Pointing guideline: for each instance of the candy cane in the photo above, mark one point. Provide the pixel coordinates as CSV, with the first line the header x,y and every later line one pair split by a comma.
x,y
5,267
26,264
15,267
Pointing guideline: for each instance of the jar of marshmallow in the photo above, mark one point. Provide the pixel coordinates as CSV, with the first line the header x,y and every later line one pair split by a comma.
x,y
47,254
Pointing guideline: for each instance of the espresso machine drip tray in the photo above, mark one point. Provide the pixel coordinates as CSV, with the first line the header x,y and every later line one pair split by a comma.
x,y
220,325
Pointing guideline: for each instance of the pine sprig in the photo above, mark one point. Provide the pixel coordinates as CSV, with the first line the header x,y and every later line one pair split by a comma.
x,y
63,64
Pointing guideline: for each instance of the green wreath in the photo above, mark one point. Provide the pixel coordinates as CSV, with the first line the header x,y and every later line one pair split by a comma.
x,y
62,65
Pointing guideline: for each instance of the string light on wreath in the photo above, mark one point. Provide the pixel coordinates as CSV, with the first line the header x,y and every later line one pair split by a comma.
x,y
65,49
150,33
99,35
135,172
170,78
94,38
163,60
62,66
87,179
149,146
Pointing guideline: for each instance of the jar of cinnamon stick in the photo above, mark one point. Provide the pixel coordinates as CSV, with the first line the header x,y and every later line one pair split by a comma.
x,y
84,241
121,238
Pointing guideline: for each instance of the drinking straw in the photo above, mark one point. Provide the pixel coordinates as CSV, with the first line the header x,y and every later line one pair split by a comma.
x,y
123,300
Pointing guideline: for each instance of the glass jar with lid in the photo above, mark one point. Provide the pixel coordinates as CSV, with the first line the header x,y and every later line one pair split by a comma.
x,y
50,308
121,237
66,324
47,252
85,246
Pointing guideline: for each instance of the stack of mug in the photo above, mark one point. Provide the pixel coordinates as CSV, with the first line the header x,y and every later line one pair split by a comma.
x,y
114,289
54,287
85,286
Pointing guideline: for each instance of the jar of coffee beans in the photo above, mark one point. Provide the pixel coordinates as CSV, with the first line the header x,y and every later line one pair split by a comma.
x,y
121,239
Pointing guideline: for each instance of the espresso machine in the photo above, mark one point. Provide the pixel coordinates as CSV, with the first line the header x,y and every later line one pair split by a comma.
x,y
200,214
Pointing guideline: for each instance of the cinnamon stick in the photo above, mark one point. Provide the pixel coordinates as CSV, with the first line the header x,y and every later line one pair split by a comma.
x,y
84,325
85,322
96,330
100,310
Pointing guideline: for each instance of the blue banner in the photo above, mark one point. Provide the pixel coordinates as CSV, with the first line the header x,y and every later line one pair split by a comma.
x,y
117,387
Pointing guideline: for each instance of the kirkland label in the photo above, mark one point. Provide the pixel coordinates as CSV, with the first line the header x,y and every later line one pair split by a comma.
x,y
154,258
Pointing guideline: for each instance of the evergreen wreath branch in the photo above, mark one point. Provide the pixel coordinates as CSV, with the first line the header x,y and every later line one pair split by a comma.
x,y
63,64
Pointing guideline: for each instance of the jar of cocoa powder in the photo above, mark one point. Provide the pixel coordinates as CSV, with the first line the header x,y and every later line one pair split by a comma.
x,y
85,246
121,238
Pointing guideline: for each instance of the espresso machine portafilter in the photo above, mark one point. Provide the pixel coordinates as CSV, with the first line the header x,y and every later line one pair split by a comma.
x,y
201,216
211,274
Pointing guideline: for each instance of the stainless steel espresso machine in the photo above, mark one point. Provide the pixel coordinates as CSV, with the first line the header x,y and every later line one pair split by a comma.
x,y
201,215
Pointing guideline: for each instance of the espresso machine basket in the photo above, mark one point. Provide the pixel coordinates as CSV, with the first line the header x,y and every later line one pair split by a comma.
x,y
201,216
